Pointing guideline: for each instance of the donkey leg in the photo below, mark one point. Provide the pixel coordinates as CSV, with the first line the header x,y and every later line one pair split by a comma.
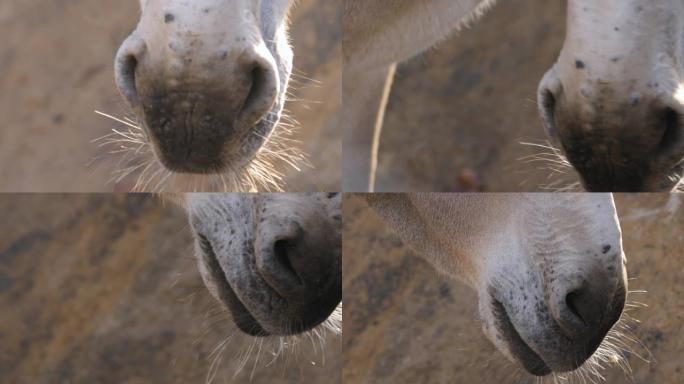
x,y
364,98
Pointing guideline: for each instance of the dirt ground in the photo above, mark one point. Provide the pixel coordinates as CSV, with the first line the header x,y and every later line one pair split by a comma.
x,y
103,289
56,69
468,103
406,324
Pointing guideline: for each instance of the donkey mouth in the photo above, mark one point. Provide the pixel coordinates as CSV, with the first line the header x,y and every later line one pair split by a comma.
x,y
242,317
529,359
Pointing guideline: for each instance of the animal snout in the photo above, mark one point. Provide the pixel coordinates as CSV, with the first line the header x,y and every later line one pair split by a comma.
x,y
618,139
557,323
197,106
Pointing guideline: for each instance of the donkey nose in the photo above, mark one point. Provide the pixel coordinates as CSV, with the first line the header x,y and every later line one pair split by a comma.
x,y
617,141
581,310
197,107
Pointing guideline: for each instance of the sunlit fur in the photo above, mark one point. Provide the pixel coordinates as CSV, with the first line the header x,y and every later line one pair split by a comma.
x,y
552,160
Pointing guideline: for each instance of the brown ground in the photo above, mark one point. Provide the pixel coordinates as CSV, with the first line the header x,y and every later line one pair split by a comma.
x,y
468,103
104,289
56,60
406,324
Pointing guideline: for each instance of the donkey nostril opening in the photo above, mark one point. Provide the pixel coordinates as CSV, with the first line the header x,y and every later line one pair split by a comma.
x,y
573,302
127,68
670,123
283,251
548,106
256,92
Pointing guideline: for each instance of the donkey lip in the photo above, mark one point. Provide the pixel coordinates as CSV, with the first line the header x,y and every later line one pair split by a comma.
x,y
238,311
529,359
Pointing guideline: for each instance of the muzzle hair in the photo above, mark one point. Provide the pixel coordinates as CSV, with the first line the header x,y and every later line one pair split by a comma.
x,y
138,163
273,348
552,161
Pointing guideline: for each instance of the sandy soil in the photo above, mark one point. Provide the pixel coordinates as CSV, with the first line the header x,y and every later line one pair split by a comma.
x,y
56,61
104,289
468,103
404,323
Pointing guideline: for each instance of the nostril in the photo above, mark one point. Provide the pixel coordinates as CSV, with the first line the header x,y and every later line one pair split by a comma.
x,y
126,78
258,81
573,301
574,312
283,249
547,105
670,123
262,92
125,69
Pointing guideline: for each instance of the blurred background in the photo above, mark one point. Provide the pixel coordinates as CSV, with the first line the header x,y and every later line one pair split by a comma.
x,y
56,69
404,323
105,289
460,110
